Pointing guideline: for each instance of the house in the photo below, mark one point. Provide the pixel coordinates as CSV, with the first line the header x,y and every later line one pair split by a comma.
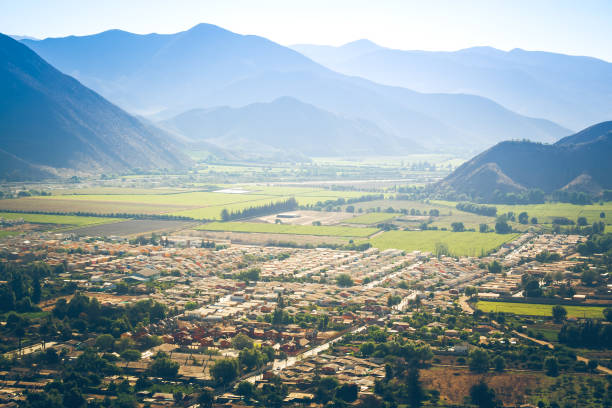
x,y
146,273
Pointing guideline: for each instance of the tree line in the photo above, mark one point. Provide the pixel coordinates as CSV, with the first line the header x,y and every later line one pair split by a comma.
x,y
480,209
589,333
329,204
108,215
257,211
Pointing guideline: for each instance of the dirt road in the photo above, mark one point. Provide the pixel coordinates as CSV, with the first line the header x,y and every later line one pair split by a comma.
x,y
600,368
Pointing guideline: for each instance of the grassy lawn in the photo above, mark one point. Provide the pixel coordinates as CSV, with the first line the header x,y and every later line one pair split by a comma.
x,y
332,231
7,233
459,243
59,219
539,310
371,218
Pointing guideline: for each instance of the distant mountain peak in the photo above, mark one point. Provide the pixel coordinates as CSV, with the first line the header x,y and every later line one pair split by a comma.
x,y
482,49
207,28
363,42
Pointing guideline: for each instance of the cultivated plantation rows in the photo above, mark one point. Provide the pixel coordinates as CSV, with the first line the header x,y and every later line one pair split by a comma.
x,y
380,220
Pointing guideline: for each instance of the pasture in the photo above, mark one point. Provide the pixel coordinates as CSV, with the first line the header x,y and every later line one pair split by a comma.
x,y
528,309
459,243
325,230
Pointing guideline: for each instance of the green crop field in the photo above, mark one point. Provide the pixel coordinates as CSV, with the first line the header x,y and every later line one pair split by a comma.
x,y
371,218
7,233
529,309
332,231
196,204
459,243
546,212
74,220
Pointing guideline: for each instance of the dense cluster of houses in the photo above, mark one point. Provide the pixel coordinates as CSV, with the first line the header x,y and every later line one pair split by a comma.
x,y
215,302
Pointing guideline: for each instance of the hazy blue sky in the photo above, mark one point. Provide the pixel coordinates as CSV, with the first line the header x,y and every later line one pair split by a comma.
x,y
581,27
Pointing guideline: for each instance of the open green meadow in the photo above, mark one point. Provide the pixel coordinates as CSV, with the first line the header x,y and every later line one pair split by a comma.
x,y
527,309
333,231
459,243
371,218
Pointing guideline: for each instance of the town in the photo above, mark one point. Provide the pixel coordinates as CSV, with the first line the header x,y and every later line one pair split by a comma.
x,y
242,323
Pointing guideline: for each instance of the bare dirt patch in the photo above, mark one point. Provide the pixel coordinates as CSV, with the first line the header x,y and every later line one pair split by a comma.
x,y
253,238
132,227
305,217
513,388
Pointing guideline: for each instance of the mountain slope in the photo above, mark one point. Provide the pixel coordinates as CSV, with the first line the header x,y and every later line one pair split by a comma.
x,y
208,66
49,120
148,72
578,163
286,124
571,90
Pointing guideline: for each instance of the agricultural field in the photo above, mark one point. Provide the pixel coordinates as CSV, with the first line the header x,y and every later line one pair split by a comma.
x,y
131,227
334,231
545,213
4,234
251,238
527,309
440,160
195,204
459,243
71,220
113,190
70,204
404,205
370,218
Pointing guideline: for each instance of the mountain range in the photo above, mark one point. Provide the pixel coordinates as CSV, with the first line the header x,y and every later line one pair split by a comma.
x,y
285,125
573,91
207,67
580,162
52,125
